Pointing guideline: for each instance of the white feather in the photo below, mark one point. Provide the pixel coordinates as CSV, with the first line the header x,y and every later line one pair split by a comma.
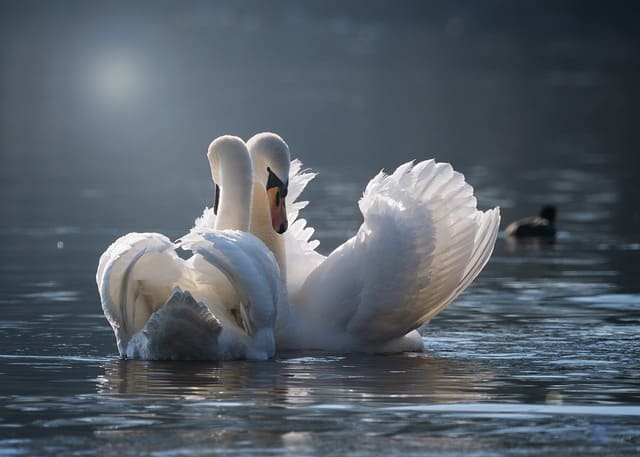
x,y
141,281
422,242
300,248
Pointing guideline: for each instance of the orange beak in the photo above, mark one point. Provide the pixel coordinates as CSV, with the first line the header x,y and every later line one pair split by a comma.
x,y
278,209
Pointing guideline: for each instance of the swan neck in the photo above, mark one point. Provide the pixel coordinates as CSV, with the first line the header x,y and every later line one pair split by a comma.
x,y
235,192
262,228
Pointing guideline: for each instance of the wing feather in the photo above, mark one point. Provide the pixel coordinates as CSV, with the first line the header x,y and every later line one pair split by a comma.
x,y
135,277
248,265
421,243
300,248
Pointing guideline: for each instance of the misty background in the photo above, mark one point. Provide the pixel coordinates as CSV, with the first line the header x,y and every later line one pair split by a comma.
x,y
107,108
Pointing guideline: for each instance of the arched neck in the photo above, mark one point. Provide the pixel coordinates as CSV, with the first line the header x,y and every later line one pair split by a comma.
x,y
234,193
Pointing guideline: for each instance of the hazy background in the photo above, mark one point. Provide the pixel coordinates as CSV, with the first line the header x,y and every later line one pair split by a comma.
x,y
107,108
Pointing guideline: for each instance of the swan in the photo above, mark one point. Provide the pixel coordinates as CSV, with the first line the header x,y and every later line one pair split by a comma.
x,y
220,303
422,242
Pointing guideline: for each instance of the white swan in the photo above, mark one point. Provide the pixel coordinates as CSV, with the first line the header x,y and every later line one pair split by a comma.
x,y
421,244
219,304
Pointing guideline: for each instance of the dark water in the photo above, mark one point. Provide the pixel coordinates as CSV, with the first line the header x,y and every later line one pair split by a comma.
x,y
540,356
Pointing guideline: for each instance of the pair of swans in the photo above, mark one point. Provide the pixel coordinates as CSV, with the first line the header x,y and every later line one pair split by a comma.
x,y
220,303
255,282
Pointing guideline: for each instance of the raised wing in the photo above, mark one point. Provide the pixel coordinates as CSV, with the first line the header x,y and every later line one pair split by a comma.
x,y
421,243
300,248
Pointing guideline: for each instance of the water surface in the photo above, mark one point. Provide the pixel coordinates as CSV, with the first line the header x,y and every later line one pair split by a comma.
x,y
540,355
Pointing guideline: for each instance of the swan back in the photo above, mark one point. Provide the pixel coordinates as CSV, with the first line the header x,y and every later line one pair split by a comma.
x,y
252,271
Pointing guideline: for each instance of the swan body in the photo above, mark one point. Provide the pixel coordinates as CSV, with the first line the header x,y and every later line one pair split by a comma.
x,y
422,242
220,303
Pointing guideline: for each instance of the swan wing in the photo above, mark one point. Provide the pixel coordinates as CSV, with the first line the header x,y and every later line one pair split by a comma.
x,y
253,273
299,178
301,255
135,277
421,243
206,220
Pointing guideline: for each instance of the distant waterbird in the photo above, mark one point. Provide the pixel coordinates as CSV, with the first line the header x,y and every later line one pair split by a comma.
x,y
541,226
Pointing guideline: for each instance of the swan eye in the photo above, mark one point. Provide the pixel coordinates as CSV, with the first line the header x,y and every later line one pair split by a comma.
x,y
274,181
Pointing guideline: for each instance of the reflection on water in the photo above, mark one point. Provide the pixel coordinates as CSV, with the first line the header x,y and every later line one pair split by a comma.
x,y
299,379
320,404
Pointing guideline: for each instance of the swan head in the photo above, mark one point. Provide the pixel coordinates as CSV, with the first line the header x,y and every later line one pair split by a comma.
x,y
230,149
232,173
271,160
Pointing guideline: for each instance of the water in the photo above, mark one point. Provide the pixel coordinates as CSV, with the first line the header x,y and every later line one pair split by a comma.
x,y
540,356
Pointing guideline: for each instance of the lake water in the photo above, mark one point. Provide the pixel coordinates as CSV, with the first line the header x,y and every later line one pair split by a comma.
x,y
540,356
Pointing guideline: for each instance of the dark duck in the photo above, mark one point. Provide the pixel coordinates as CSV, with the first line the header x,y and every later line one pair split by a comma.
x,y
541,226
